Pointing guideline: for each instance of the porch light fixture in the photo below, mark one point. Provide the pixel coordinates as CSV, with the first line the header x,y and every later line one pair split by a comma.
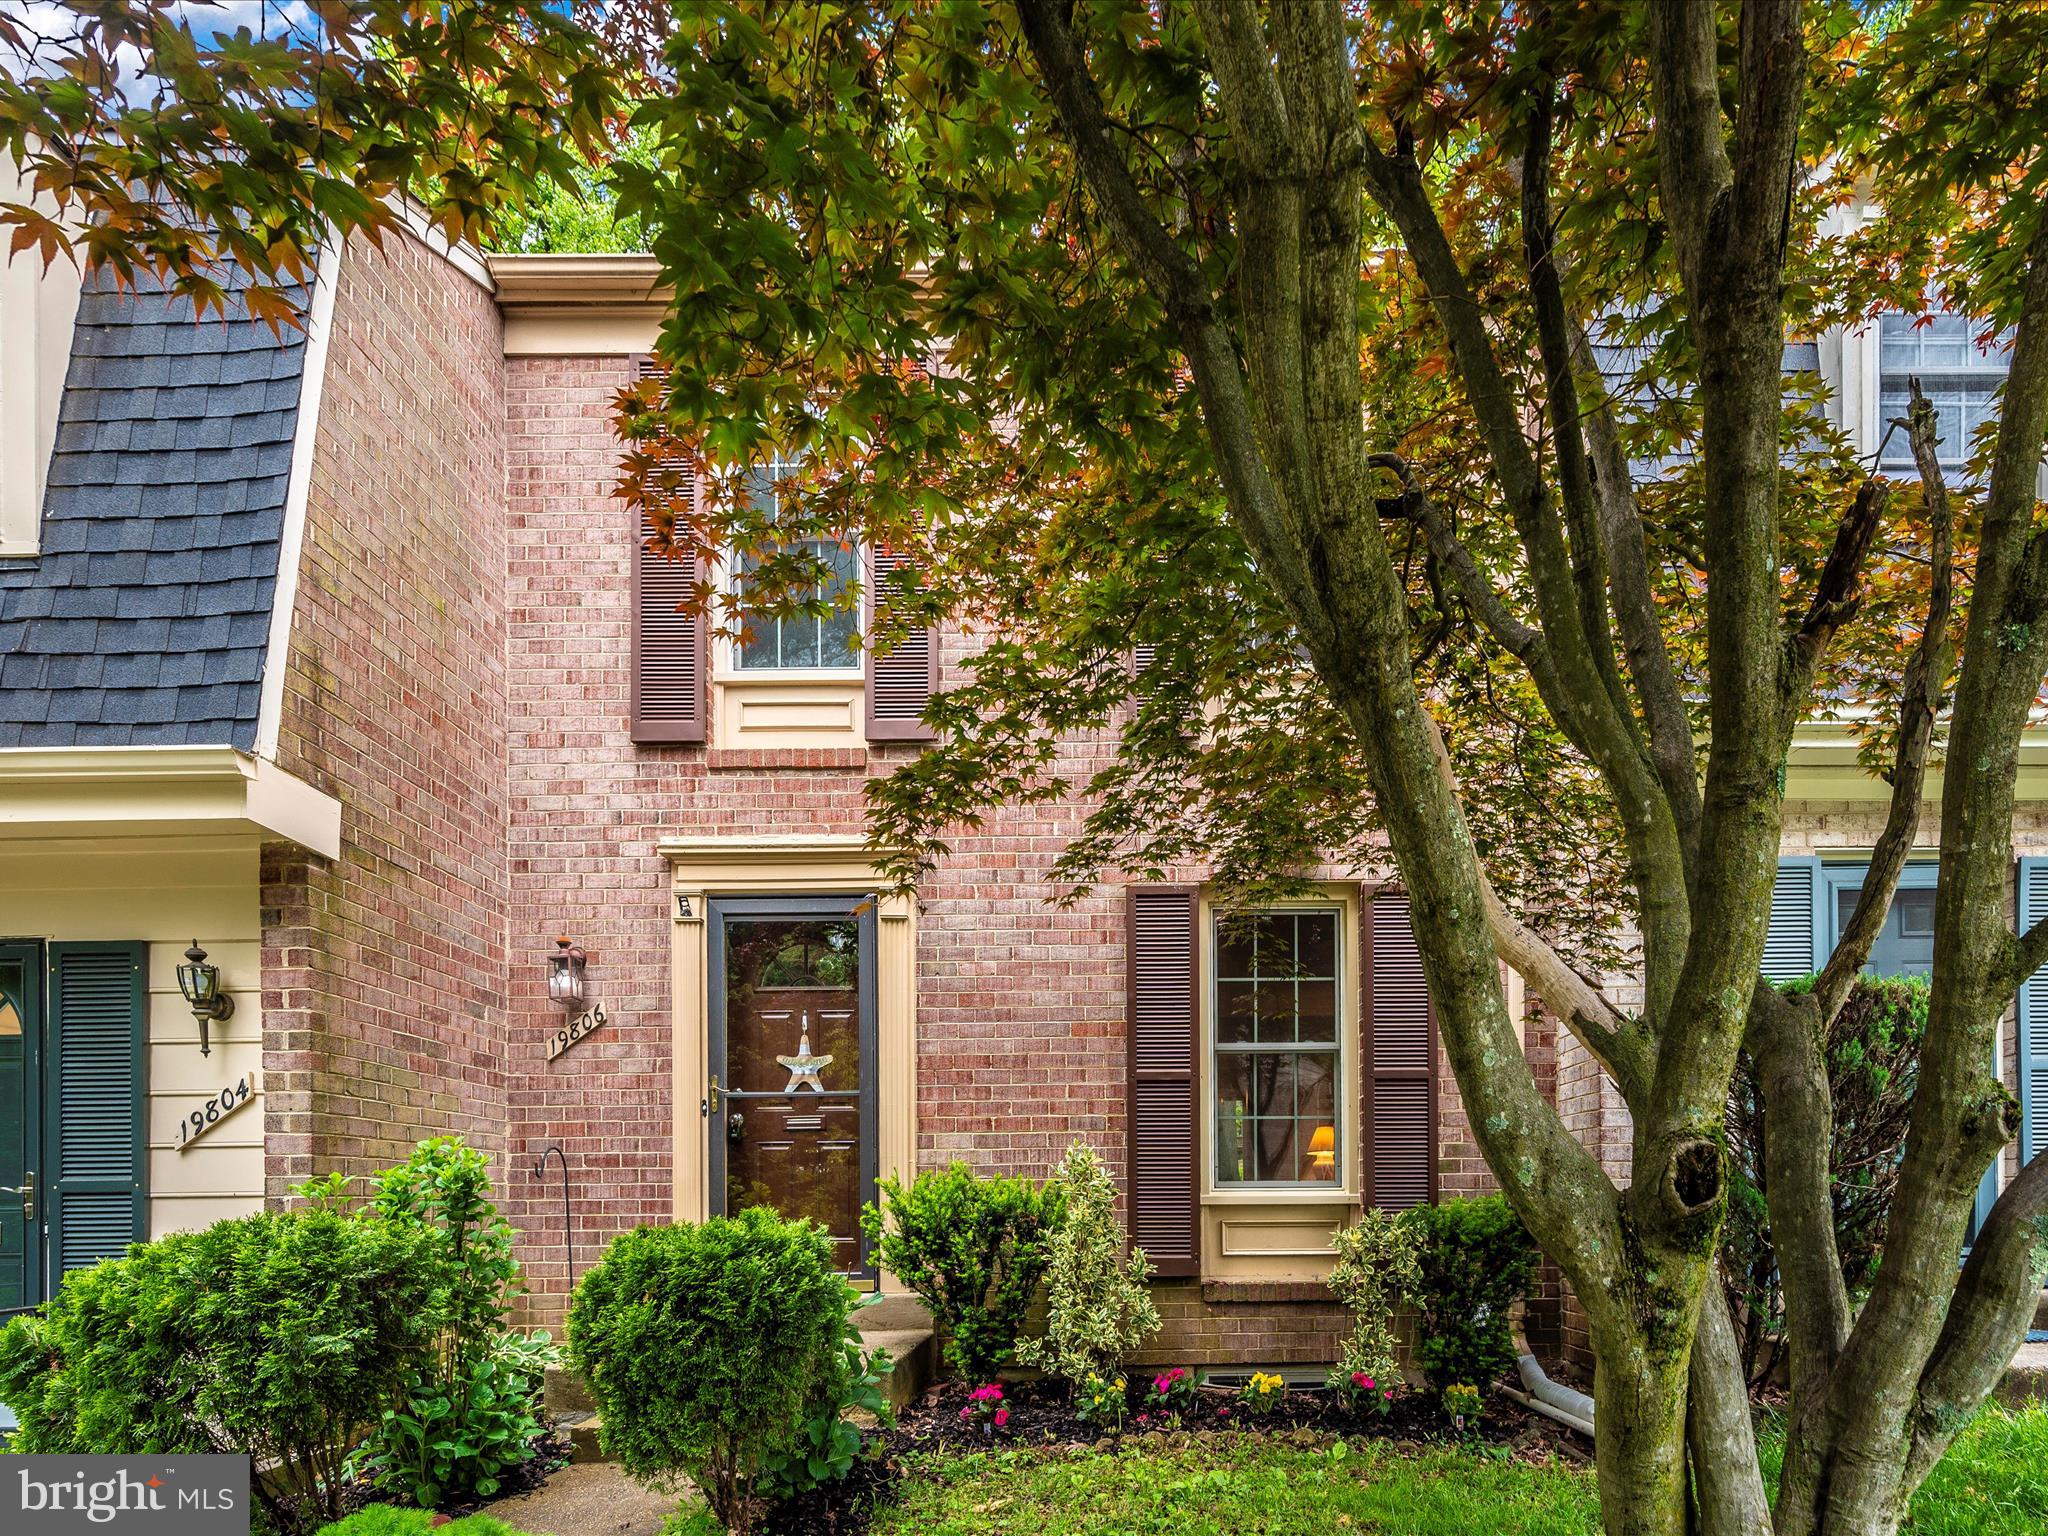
x,y
565,976
200,983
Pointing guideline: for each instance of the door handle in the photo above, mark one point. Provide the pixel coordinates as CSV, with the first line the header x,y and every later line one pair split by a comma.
x,y
27,1190
711,1098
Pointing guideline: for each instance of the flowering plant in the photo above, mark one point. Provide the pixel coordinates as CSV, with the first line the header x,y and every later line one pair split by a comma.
x,y
1172,1392
985,1406
1363,1392
1100,1400
1262,1394
1461,1406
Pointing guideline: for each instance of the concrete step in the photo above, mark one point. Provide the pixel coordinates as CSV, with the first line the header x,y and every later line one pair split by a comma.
x,y
2026,1379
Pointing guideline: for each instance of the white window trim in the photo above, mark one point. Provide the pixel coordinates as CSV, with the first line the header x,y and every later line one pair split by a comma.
x,y
725,664
1344,1189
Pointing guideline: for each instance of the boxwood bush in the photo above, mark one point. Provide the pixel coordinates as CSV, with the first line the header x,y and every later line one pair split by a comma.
x,y
282,1334
704,1346
973,1249
1474,1260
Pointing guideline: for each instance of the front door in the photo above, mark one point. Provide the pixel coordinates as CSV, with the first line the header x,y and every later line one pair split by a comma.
x,y
793,1056
21,1015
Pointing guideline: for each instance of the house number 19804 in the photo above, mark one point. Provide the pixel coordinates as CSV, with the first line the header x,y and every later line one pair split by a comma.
x,y
216,1109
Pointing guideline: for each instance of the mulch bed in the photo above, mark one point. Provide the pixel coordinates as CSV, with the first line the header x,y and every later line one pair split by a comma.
x,y
1042,1417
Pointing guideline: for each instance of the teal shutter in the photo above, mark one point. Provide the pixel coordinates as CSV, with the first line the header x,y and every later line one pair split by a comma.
x,y
96,1150
2033,1041
1794,947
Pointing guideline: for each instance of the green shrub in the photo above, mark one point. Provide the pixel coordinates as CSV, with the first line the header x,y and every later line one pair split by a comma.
x,y
473,1413
1097,1308
1873,1065
972,1249
282,1335
827,1442
704,1346
1375,1267
1473,1261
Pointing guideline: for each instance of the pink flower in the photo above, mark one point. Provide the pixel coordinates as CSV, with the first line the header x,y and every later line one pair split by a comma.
x,y
966,1413
1002,1417
1222,1413
1388,1394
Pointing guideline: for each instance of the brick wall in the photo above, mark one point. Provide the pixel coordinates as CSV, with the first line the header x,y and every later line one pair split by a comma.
x,y
383,971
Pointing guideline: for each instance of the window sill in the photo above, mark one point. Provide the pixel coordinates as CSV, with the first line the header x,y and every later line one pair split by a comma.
x,y
786,677
1278,1194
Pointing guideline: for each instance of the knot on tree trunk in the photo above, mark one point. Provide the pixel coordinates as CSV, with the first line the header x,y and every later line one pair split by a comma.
x,y
1692,1178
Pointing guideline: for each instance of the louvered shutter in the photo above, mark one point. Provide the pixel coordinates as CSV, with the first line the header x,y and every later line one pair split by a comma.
x,y
1165,1206
1400,1052
1793,948
2033,1041
96,1150
671,649
902,681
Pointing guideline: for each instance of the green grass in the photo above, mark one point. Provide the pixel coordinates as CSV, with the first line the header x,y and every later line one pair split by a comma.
x,y
1251,1488
390,1520
1993,1482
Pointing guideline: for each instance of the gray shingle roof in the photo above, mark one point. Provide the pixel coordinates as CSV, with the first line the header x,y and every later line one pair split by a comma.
x,y
145,618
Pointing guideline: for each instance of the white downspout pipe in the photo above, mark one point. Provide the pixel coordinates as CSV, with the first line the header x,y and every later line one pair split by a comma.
x,y
1552,1399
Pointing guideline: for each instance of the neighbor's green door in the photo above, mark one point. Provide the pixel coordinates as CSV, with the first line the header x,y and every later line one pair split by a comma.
x,y
21,1015
73,1153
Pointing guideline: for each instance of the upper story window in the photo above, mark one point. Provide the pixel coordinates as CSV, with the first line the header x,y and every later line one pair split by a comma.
x,y
827,640
1276,1048
1960,378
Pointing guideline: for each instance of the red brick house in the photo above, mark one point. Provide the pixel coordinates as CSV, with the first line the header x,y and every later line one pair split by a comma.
x,y
371,694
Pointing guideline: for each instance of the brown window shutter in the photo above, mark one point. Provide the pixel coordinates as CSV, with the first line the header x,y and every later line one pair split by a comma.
x,y
1400,1056
1165,1199
903,681
671,646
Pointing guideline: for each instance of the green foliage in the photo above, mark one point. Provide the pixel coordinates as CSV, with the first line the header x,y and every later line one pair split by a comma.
x,y
1242,1484
1375,1267
1097,1307
1171,1391
473,1413
973,1249
1103,1401
827,1442
448,1437
705,1346
273,139
1872,1051
1473,1261
1263,1393
396,1520
1462,1403
282,1335
580,217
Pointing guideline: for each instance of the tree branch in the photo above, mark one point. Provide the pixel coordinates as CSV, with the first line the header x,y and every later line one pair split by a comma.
x,y
1836,595
1987,1319
1635,604
1919,698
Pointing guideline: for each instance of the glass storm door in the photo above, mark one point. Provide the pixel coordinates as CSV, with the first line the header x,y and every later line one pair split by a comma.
x,y
21,1012
793,1061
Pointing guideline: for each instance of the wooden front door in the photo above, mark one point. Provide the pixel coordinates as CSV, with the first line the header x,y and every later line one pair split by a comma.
x,y
792,1047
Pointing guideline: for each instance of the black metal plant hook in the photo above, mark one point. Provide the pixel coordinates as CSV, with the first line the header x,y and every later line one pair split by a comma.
x,y
540,1171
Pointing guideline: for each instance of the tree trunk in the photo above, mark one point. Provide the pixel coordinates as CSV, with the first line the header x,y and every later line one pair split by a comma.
x,y
1639,1452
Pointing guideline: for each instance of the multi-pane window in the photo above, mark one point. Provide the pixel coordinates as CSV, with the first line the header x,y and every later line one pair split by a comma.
x,y
826,639
1276,1054
1904,946
1960,378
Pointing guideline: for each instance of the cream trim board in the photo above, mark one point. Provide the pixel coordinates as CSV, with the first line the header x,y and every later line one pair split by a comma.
x,y
298,488
90,792
38,313
772,866
573,305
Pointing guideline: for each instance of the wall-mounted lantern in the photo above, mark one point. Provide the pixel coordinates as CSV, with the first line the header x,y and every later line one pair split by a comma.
x,y
566,981
200,983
